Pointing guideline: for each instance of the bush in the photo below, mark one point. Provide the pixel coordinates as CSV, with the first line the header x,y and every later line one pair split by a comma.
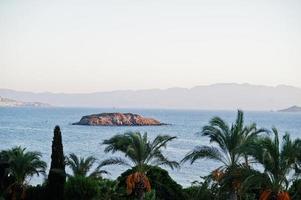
x,y
202,190
198,193
81,188
36,192
107,189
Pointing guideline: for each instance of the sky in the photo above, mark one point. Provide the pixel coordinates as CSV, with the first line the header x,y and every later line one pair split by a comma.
x,y
89,46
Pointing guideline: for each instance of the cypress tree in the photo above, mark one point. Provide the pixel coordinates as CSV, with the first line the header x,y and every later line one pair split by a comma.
x,y
57,175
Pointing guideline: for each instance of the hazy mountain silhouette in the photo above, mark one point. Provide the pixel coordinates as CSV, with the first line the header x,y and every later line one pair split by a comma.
x,y
218,96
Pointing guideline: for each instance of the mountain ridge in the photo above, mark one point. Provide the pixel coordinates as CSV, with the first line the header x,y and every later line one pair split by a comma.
x,y
216,96
162,89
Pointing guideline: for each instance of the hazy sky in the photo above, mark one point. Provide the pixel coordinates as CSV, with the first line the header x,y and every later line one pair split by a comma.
x,y
84,46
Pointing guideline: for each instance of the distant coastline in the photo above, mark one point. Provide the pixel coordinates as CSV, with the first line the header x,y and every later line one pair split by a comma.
x,y
291,109
6,102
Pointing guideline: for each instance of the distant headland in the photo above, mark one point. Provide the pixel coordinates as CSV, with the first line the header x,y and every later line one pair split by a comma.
x,y
117,119
6,102
291,109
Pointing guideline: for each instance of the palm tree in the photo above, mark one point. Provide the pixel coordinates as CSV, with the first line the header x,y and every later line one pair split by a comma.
x,y
82,166
141,153
229,147
278,160
22,164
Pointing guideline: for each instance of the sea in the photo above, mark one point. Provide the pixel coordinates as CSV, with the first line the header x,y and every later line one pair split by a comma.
x,y
33,128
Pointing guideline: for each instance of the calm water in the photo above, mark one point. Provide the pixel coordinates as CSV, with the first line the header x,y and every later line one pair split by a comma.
x,y
33,128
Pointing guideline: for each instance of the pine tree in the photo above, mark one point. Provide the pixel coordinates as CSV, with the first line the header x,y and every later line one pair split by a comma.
x,y
57,175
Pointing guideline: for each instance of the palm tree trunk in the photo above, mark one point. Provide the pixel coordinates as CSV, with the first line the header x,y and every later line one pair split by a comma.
x,y
140,190
17,192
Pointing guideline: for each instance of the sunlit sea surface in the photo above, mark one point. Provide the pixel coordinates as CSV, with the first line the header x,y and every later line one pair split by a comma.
x,y
33,128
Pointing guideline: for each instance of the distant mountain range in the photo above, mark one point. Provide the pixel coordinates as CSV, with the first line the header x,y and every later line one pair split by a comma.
x,y
5,102
291,109
228,96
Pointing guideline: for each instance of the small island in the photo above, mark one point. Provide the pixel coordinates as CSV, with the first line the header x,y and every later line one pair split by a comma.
x,y
291,109
117,119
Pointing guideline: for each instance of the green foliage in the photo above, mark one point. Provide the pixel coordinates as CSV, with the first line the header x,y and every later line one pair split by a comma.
x,y
230,141
230,144
295,190
35,192
57,175
139,150
83,166
107,189
200,191
21,164
165,187
5,179
150,195
209,189
81,188
245,189
141,153
279,161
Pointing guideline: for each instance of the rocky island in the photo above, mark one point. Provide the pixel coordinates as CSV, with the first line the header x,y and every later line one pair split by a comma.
x,y
117,119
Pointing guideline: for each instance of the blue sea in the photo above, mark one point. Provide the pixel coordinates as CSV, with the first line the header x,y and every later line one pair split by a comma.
x,y
33,128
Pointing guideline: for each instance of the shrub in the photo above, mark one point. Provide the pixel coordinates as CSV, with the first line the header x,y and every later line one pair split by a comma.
x,y
107,190
79,188
36,192
202,190
198,193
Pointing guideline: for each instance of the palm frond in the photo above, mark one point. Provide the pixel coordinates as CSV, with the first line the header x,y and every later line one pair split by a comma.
x,y
204,152
138,149
160,159
114,161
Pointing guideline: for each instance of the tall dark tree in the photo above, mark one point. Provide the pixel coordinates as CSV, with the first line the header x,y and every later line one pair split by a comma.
x,y
57,174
